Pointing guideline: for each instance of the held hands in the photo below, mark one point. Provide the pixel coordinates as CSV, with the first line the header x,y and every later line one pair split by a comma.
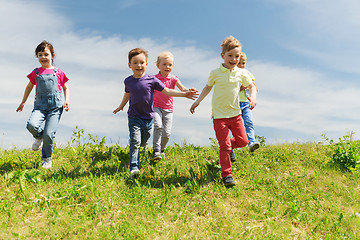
x,y
192,93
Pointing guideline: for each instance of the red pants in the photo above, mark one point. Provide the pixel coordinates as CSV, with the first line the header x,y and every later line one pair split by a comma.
x,y
222,127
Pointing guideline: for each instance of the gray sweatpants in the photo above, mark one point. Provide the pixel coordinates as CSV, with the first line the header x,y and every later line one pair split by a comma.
x,y
162,128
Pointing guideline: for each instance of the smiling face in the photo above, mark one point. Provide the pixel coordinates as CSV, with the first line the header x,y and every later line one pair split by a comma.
x,y
242,62
45,58
138,65
231,58
165,66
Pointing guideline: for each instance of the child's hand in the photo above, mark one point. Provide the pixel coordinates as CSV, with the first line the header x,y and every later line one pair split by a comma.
x,y
252,103
117,110
192,93
20,107
66,106
192,108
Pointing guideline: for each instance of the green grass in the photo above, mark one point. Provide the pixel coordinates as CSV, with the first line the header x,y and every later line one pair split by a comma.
x,y
287,191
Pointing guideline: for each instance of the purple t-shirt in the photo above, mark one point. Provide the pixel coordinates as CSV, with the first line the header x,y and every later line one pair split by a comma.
x,y
142,95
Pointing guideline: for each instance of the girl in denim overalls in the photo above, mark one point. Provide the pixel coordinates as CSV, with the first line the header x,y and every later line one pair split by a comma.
x,y
48,104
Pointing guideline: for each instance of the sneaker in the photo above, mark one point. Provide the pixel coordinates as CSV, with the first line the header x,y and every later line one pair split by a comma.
x,y
228,181
134,172
46,163
37,144
232,156
253,146
157,155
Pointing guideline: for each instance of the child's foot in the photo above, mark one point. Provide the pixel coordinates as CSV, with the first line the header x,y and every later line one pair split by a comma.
x,y
37,144
157,155
232,156
46,163
228,181
253,146
134,172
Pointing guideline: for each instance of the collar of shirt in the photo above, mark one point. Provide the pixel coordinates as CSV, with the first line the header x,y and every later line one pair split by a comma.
x,y
224,69
160,77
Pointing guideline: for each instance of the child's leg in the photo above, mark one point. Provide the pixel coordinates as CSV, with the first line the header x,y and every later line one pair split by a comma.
x,y
51,124
222,135
146,129
167,125
238,131
35,123
246,114
135,140
158,124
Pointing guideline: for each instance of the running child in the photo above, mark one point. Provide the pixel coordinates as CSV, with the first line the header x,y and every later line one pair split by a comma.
x,y
163,104
49,103
226,113
139,89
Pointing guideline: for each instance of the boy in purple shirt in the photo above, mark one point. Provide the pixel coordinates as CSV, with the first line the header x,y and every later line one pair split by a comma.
x,y
139,90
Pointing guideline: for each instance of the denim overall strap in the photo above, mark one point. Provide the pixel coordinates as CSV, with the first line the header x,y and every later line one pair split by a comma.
x,y
47,91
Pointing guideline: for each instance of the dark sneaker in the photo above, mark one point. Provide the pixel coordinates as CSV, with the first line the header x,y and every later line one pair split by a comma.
x,y
228,181
253,146
157,155
232,156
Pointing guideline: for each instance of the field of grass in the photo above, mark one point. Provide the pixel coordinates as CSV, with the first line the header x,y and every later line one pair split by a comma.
x,y
287,191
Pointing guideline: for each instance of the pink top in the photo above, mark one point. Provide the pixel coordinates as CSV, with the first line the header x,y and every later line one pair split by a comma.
x,y
161,100
62,78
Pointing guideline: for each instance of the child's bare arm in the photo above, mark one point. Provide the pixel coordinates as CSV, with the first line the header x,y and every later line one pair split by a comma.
x,y
203,94
180,86
27,92
252,98
66,95
190,93
124,101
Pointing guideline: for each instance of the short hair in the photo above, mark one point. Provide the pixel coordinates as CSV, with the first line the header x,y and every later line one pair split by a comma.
x,y
229,43
165,54
41,47
136,51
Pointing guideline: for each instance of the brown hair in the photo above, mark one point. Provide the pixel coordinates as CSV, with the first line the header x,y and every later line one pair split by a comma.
x,y
41,47
229,43
136,51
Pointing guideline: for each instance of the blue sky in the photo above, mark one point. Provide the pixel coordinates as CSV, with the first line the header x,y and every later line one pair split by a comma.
x,y
304,55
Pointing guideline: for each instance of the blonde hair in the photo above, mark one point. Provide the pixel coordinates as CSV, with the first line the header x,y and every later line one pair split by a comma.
x,y
229,43
243,55
165,54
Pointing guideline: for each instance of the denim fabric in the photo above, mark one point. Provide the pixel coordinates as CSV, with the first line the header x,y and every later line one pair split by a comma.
x,y
139,132
246,114
162,128
48,108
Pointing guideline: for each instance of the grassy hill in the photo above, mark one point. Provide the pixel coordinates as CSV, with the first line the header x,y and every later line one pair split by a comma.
x,y
288,191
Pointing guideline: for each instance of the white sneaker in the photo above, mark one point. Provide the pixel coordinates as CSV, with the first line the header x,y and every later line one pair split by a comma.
x,y
37,144
134,172
253,146
46,163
